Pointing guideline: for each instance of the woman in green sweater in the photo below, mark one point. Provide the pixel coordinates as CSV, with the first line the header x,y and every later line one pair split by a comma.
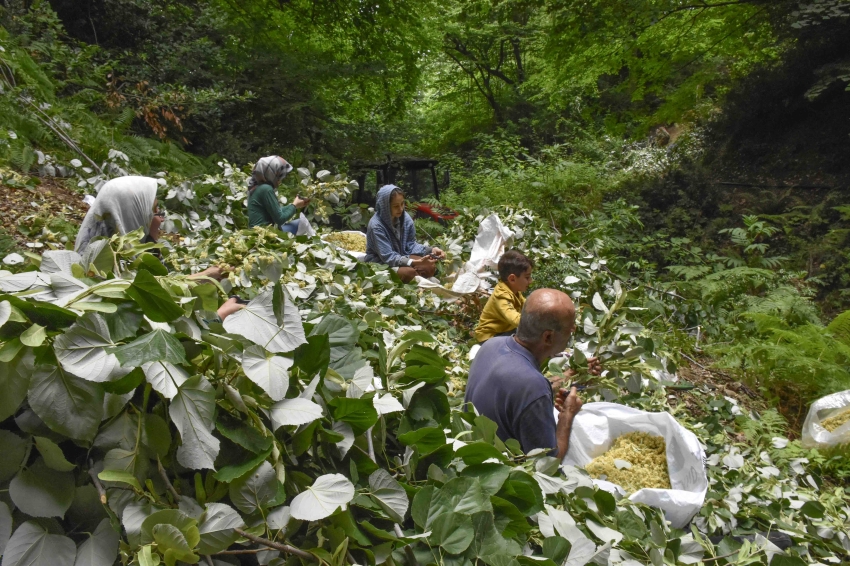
x,y
264,208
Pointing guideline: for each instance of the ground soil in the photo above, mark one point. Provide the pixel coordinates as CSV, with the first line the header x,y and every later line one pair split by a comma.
x,y
52,197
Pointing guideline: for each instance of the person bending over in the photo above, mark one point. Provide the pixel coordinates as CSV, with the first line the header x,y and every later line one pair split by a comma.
x,y
391,238
264,208
125,204
501,314
506,386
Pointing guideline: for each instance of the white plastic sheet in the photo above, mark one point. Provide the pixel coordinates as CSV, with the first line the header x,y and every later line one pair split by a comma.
x,y
596,427
814,435
487,249
304,227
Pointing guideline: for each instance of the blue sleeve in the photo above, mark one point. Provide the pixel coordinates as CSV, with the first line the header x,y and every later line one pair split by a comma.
x,y
536,426
412,247
380,247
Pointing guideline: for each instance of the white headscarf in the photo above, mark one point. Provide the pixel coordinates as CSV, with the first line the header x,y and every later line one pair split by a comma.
x,y
122,205
269,171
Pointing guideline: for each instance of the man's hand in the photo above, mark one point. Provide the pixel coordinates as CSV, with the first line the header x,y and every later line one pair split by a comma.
x,y
568,402
300,202
438,253
423,263
229,307
570,405
594,366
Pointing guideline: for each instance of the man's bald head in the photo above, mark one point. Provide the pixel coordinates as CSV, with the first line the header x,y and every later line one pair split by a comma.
x,y
547,310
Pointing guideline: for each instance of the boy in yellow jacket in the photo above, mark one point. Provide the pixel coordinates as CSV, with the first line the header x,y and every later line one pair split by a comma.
x,y
502,311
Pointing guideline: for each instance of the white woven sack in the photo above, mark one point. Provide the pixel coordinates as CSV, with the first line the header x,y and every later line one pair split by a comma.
x,y
596,427
814,435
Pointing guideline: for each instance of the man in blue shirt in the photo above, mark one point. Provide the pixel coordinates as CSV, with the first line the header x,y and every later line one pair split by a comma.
x,y
505,383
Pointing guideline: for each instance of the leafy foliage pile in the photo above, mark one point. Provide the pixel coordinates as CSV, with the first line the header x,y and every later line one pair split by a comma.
x,y
320,423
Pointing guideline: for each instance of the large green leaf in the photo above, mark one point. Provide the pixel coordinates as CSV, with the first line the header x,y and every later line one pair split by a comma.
x,y
359,413
155,302
68,405
52,454
34,336
255,490
294,412
234,471
313,357
491,475
389,494
478,452
45,314
82,350
14,382
5,526
421,505
242,434
342,334
217,526
39,491
268,371
31,545
509,521
165,377
155,346
452,532
173,544
174,517
126,384
523,491
133,517
327,494
426,440
101,548
423,356
487,540
5,312
192,411
258,322
13,448
458,495
125,322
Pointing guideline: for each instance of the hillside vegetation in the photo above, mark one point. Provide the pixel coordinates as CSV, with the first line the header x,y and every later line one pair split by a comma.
x,y
679,169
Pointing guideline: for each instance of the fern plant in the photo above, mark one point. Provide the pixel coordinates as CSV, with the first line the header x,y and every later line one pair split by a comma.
x,y
840,328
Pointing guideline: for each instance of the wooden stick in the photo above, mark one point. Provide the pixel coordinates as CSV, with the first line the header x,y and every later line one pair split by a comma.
x,y
166,480
98,486
693,361
276,545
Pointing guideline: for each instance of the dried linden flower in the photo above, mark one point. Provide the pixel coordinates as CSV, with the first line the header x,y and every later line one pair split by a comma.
x,y
635,461
349,241
836,421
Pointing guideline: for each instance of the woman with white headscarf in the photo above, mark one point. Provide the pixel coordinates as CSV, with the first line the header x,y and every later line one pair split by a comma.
x,y
126,204
264,208
123,205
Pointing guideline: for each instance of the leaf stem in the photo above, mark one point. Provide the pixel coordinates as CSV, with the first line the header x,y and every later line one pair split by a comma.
x,y
276,545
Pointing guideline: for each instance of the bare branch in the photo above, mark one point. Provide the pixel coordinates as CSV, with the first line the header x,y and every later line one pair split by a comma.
x,y
276,545
166,480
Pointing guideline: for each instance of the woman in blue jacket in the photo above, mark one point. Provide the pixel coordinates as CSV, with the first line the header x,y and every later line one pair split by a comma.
x,y
391,238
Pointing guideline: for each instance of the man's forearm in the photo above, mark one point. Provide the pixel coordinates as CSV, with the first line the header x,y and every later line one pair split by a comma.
x,y
562,433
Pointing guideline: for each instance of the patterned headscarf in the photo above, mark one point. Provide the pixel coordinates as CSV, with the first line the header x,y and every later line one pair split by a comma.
x,y
269,171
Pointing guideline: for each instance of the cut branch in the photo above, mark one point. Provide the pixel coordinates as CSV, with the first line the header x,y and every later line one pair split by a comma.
x,y
164,476
276,545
